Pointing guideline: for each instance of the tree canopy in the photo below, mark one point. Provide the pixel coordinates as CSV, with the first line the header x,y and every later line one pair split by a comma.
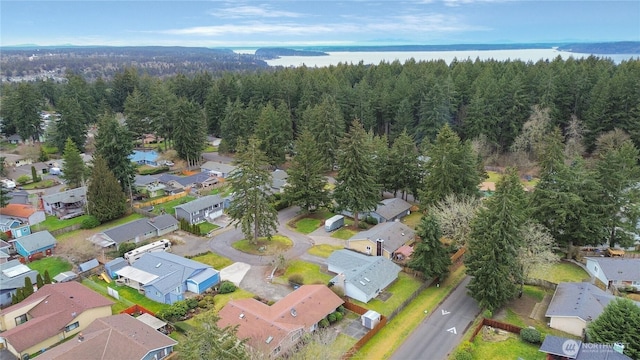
x,y
430,256
618,323
105,198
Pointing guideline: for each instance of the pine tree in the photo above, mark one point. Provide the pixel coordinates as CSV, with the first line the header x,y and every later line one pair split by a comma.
x,y
274,131
306,184
326,123
189,134
74,168
39,281
114,144
47,277
105,199
209,342
71,124
4,197
618,323
34,174
430,256
494,243
403,166
28,287
357,189
251,205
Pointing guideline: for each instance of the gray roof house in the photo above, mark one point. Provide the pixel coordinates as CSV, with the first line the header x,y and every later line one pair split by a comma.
x,y
278,180
574,305
563,348
149,185
391,209
41,242
361,277
202,209
200,180
66,204
392,235
218,169
165,277
12,275
615,271
136,231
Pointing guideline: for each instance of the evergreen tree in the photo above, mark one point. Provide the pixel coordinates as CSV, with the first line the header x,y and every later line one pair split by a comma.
x,y
251,205
452,168
430,256
4,197
71,124
137,110
306,183
189,134
495,240
206,341
39,281
357,189
34,174
74,168
21,112
274,130
47,277
28,287
326,123
618,323
114,145
403,166
105,199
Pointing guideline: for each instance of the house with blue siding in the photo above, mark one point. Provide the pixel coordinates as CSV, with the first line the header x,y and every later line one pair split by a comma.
x,y
12,275
165,277
14,228
41,242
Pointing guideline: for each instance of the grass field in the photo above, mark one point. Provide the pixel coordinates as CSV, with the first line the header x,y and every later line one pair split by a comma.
x,y
220,300
307,225
511,348
323,250
494,177
401,289
169,205
207,227
310,273
52,223
561,272
128,296
53,264
277,245
412,220
343,233
122,220
214,260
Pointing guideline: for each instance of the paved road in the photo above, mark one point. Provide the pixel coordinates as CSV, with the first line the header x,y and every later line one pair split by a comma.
x,y
441,332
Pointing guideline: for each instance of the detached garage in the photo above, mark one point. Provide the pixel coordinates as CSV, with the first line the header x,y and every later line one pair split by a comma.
x,y
204,280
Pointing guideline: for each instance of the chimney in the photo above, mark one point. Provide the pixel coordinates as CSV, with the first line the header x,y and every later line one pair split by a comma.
x,y
379,243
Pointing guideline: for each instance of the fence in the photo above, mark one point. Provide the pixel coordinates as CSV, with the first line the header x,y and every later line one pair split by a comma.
x,y
404,304
495,324
137,309
542,283
164,199
358,345
65,229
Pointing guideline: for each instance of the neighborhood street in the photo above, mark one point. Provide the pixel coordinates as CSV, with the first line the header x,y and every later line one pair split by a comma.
x,y
442,330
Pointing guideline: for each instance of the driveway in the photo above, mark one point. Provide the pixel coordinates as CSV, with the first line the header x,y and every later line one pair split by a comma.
x,y
440,333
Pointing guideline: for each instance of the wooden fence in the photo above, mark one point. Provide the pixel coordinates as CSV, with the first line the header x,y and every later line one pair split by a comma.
x,y
495,324
137,309
164,199
358,345
65,229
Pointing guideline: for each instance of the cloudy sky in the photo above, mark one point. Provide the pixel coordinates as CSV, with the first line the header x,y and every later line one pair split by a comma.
x,y
315,22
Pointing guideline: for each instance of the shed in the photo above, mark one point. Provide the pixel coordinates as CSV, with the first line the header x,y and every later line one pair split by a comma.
x,y
114,265
65,276
370,319
203,280
89,265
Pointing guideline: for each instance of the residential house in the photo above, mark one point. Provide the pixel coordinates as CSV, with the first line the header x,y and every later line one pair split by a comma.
x,y
14,139
165,277
12,275
119,336
559,348
196,181
218,169
278,181
273,330
574,305
615,271
40,243
200,210
25,213
6,251
387,210
149,158
14,228
66,204
18,197
383,239
136,231
149,185
361,277
50,315
114,265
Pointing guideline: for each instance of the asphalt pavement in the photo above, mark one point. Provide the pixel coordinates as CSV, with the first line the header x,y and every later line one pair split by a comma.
x,y
442,330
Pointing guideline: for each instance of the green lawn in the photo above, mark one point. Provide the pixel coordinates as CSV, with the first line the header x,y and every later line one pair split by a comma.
x,y
343,233
107,225
323,250
52,223
39,185
561,272
207,227
534,291
385,342
412,220
221,300
128,296
511,348
169,205
277,245
310,273
307,225
401,289
214,260
494,177
53,264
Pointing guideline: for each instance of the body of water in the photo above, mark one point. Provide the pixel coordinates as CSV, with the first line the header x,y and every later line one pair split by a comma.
x,y
375,57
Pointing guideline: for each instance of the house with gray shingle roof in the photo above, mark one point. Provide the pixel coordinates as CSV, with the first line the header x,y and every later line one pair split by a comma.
x,y
361,277
615,271
574,305
12,275
569,349
136,231
66,204
198,181
383,239
218,169
41,242
149,185
200,210
387,210
16,228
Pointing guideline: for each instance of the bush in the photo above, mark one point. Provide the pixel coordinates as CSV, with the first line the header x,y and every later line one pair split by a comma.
x,y
227,287
153,170
371,220
23,179
338,315
341,309
332,318
89,222
296,279
487,314
530,335
191,303
462,355
323,323
125,248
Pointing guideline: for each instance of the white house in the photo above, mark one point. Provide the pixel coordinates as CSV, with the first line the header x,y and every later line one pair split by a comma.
x,y
615,271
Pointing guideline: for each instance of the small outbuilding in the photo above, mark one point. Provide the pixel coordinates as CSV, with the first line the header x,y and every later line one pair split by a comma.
x,y
370,319
114,265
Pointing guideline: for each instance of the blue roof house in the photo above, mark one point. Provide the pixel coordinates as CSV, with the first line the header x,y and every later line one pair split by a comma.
x,y
12,275
144,157
169,276
41,242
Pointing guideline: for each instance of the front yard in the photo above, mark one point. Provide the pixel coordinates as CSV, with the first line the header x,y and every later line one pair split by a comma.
x,y
310,222
400,290
344,233
323,250
311,273
214,260
510,346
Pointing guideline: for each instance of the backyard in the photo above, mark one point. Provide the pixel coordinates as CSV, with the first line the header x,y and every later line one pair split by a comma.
x,y
55,265
561,272
168,206
128,296
400,290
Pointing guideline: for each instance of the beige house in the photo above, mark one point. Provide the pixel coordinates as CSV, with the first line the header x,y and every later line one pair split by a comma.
x,y
383,239
52,314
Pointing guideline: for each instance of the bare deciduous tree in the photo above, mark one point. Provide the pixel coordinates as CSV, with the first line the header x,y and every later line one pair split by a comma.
x,y
574,139
454,214
533,133
537,249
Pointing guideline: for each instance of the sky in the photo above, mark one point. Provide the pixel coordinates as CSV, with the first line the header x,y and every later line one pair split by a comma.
x,y
250,24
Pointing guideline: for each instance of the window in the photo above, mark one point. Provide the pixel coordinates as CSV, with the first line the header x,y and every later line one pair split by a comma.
x,y
21,319
70,327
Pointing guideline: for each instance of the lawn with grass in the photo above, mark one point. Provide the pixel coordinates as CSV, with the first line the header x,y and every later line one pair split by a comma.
x,y
494,177
169,205
214,260
561,272
220,300
128,295
43,184
412,220
385,342
401,289
343,233
323,250
511,348
55,265
310,273
307,225
207,227
52,223
277,245
535,292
